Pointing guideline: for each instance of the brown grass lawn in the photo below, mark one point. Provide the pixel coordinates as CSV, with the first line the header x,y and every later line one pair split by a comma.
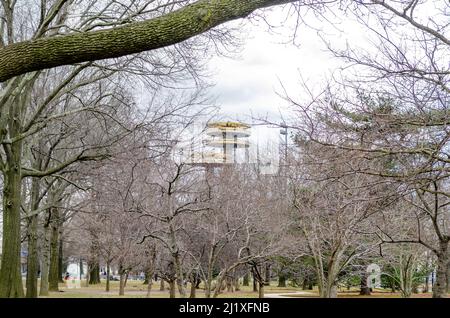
x,y
135,289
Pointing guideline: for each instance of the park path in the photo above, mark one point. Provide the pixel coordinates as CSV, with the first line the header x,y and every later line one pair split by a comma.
x,y
287,295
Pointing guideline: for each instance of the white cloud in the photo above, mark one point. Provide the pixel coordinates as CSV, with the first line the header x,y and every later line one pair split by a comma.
x,y
249,84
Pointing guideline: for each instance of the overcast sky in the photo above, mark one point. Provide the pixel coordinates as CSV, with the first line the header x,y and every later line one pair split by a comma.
x,y
249,83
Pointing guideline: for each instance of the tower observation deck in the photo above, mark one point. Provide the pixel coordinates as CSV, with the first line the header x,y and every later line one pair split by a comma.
x,y
228,137
224,143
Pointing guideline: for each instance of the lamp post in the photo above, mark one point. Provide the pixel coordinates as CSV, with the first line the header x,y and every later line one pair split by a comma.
x,y
284,131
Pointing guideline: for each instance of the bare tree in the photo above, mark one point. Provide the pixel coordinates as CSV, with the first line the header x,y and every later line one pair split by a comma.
x,y
164,29
390,108
182,191
53,101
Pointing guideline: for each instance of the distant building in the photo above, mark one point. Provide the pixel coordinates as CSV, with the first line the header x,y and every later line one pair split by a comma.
x,y
228,142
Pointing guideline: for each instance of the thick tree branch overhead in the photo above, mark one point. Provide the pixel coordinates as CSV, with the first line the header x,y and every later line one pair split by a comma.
x,y
169,29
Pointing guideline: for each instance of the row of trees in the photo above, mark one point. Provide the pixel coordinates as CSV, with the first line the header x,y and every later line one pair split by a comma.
x,y
54,120
386,121
314,224
173,220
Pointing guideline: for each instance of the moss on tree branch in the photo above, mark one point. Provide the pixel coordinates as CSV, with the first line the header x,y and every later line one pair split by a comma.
x,y
169,29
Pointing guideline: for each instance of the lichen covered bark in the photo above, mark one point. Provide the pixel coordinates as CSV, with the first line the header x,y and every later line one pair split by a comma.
x,y
10,275
136,37
53,279
10,271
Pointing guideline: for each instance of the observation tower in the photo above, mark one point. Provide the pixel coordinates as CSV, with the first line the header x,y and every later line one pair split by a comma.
x,y
228,137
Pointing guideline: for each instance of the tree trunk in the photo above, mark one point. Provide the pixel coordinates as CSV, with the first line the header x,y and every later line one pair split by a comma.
x,y
406,275
209,276
195,282
149,284
328,292
61,269
81,268
193,290
305,284
427,284
282,281
223,286
448,272
208,287
53,278
150,272
255,284
219,283
146,278
236,284
229,284
178,269
126,279
108,273
246,281
364,290
94,273
267,274
32,258
181,289
333,291
162,286
45,264
175,250
440,287
123,277
392,284
10,270
87,276
261,290
172,289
